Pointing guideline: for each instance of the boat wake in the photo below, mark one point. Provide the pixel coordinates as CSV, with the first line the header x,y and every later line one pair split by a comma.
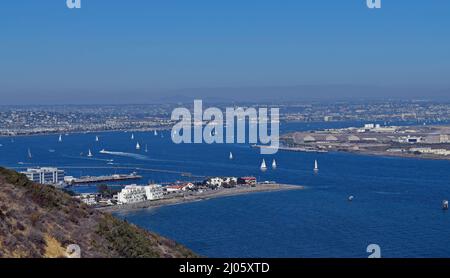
x,y
124,154
86,158
388,193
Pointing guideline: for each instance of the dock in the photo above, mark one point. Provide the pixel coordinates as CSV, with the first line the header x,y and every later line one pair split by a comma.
x,y
97,179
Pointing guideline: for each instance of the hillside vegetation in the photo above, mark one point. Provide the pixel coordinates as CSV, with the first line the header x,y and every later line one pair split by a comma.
x,y
41,221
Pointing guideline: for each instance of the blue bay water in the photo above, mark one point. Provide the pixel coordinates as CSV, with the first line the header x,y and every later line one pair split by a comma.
x,y
397,201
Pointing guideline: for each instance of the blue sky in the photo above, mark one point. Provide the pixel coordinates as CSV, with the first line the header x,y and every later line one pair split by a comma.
x,y
149,47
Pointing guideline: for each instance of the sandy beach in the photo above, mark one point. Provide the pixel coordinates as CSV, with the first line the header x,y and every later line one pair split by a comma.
x,y
206,195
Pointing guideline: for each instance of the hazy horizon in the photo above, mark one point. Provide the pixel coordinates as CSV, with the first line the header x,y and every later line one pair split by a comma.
x,y
116,52
275,94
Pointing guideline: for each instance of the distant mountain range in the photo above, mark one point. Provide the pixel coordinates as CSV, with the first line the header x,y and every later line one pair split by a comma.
x,y
229,94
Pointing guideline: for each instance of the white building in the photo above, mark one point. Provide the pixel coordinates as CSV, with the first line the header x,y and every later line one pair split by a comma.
x,y
45,175
88,199
153,192
132,194
219,181
410,139
369,126
428,150
215,181
136,193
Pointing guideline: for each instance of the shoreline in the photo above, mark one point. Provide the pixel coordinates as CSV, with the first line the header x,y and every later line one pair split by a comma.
x,y
195,197
366,153
85,132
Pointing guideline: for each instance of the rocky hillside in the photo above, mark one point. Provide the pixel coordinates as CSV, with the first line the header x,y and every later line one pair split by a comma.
x,y
40,221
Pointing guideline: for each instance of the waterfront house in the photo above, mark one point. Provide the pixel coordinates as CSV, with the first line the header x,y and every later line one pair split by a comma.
x,y
247,180
221,181
180,187
88,198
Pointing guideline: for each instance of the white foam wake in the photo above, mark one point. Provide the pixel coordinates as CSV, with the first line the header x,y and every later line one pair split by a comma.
x,y
124,154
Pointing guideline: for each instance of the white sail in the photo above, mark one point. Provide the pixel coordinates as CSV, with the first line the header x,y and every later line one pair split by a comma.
x,y
132,136
89,153
155,133
146,148
231,155
96,139
138,147
29,154
316,166
60,138
274,164
263,165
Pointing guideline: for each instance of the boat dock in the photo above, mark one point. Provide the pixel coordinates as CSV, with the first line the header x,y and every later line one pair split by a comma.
x,y
116,177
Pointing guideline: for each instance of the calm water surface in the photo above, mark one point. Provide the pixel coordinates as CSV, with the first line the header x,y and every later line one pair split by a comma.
x,y
397,201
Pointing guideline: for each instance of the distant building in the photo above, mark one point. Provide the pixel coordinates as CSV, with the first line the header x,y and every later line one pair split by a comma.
x,y
384,129
179,187
309,139
45,175
132,194
247,180
69,179
353,138
88,199
444,138
153,192
216,181
369,126
138,193
221,181
428,150
413,140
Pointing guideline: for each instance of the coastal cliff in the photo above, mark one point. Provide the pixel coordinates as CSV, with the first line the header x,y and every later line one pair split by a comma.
x,y
38,221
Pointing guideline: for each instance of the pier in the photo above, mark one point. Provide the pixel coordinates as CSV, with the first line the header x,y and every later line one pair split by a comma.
x,y
116,177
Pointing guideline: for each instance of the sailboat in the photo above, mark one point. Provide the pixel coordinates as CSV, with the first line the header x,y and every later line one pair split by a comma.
x,y
90,153
263,165
29,154
231,155
60,138
316,166
96,139
155,133
146,148
274,164
445,205
132,136
138,147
